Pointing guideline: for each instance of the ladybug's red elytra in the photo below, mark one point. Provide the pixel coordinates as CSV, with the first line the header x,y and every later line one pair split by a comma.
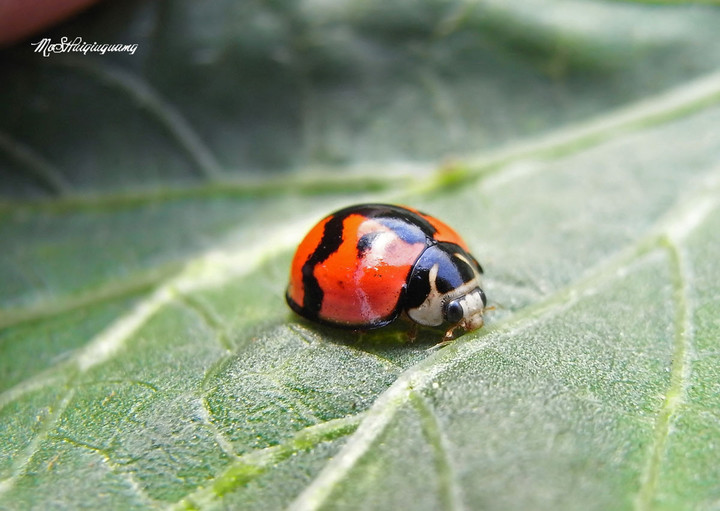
x,y
363,266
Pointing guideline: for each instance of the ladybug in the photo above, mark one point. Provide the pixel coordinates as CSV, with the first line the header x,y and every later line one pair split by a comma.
x,y
365,265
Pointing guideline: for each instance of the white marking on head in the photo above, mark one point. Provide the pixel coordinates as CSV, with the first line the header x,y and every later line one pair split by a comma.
x,y
473,309
430,312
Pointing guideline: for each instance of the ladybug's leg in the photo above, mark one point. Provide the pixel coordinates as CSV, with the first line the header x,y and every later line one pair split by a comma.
x,y
450,334
412,332
447,339
360,334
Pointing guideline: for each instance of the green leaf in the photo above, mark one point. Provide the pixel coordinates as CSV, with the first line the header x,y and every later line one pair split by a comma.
x,y
153,201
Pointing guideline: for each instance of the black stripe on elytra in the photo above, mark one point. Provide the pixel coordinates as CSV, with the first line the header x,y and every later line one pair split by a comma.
x,y
399,221
380,212
365,243
395,218
329,243
406,225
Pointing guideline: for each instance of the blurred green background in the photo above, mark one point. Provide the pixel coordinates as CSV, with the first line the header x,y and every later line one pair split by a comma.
x,y
150,204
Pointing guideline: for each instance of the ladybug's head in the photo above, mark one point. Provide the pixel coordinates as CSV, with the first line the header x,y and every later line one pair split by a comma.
x,y
467,310
444,288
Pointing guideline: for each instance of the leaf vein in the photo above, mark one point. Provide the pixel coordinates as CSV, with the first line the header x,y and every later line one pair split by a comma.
x,y
449,490
115,466
42,170
22,461
166,114
208,317
679,377
247,467
666,107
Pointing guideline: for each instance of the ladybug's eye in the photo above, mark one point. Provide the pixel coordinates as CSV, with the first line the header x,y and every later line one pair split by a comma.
x,y
453,312
482,295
